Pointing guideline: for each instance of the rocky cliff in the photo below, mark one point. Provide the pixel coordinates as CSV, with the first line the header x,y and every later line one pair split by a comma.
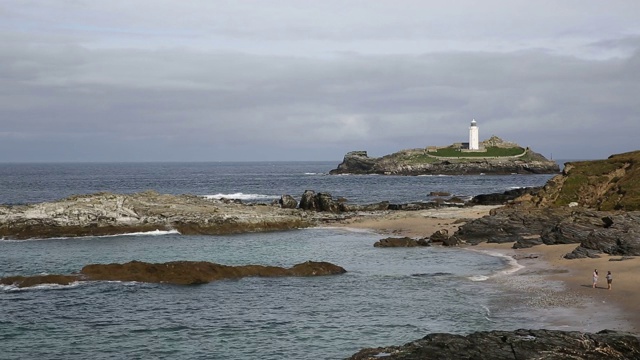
x,y
611,184
595,204
495,160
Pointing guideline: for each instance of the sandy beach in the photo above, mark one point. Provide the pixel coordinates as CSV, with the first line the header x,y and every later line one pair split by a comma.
x,y
561,290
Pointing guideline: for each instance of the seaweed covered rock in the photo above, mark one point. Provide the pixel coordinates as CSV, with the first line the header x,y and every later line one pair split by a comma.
x,y
175,272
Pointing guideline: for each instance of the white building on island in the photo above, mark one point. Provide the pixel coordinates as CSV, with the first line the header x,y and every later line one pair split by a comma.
x,y
473,136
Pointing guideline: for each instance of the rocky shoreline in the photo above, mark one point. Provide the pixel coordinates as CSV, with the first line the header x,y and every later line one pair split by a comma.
x,y
513,345
112,214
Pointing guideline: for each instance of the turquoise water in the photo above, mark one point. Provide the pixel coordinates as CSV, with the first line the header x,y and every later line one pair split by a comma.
x,y
388,296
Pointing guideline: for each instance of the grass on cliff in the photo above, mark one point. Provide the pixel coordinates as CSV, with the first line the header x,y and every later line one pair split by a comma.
x,y
615,182
491,152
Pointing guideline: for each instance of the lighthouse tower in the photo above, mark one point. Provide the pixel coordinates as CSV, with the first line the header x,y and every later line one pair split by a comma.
x,y
473,136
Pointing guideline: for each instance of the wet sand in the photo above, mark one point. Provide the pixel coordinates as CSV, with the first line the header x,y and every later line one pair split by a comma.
x,y
560,289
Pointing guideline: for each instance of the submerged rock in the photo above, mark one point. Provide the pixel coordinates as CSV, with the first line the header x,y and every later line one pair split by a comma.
x,y
175,272
513,345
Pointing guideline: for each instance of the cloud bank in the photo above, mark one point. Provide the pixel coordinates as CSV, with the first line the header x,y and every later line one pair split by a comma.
x,y
247,80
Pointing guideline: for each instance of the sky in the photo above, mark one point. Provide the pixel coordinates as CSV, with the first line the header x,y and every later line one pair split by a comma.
x,y
298,80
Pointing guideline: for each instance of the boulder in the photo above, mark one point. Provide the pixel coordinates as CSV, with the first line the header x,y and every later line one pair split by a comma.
x,y
439,236
288,202
401,242
504,197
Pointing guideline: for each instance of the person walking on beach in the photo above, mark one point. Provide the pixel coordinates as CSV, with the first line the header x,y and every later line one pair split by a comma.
x,y
609,280
595,278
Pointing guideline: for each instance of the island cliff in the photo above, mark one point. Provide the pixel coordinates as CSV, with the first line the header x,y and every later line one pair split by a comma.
x,y
496,157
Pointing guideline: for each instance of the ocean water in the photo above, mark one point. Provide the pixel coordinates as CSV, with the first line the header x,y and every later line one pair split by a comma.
x,y
387,296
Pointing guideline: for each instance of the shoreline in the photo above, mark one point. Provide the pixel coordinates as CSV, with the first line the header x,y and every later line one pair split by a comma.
x,y
560,289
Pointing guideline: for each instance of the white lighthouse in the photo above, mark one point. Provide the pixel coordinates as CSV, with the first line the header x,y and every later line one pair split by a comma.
x,y
473,136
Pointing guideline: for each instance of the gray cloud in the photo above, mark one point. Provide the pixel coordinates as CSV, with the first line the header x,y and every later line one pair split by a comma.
x,y
73,95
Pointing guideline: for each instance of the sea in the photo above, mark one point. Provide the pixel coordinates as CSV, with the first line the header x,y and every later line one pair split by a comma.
x,y
387,297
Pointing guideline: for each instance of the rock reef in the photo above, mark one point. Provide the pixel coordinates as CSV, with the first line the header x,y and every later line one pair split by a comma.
x,y
176,272
112,214
513,345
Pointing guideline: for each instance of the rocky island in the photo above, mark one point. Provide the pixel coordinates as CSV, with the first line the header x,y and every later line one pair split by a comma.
x,y
494,156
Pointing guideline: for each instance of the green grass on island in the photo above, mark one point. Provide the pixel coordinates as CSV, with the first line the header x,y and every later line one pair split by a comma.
x,y
422,156
490,152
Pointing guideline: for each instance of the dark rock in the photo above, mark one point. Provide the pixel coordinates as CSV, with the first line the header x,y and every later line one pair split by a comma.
x,y
502,198
355,162
308,200
176,272
401,242
381,206
199,272
439,236
288,202
513,345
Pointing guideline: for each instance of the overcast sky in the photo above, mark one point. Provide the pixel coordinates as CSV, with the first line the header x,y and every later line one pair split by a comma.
x,y
240,80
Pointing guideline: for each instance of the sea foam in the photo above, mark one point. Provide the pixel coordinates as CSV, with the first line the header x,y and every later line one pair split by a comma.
x,y
241,196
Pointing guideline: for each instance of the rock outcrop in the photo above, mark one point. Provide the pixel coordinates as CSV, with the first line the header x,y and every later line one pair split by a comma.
x,y
504,197
592,203
424,162
110,214
176,272
401,242
513,345
611,184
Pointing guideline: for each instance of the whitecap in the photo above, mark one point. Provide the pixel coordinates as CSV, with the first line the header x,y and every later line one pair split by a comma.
x,y
478,278
140,233
344,228
147,233
241,196
41,287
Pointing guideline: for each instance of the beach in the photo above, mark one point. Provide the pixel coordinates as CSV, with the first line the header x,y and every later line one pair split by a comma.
x,y
558,289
